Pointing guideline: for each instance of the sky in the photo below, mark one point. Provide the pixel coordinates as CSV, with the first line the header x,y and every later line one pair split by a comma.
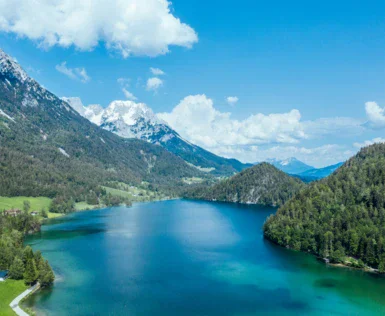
x,y
249,79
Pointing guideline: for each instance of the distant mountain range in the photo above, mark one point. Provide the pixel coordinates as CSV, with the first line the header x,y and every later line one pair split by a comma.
x,y
303,171
129,119
290,165
321,172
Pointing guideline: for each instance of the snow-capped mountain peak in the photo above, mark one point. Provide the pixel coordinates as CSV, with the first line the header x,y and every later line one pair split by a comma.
x,y
125,118
130,112
10,67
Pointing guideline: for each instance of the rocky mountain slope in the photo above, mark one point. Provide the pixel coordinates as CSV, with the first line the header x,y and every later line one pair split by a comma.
x,y
47,148
261,184
129,119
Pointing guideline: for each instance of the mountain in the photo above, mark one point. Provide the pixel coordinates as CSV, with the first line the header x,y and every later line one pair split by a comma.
x,y
129,119
290,165
260,184
341,215
320,172
48,149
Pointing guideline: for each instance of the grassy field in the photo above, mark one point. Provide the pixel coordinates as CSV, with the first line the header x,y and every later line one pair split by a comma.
x,y
134,194
37,203
9,289
82,206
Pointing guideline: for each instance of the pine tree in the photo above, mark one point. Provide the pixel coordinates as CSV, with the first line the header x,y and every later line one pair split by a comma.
x,y
16,270
31,273
27,254
38,258
46,275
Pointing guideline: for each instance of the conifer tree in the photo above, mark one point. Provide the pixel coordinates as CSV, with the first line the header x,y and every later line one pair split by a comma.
x,y
16,270
31,273
46,275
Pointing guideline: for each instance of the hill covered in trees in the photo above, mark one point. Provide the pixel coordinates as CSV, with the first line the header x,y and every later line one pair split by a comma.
x,y
48,149
261,184
342,215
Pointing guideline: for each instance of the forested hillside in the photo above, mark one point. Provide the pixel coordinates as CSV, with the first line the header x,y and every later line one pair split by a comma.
x,y
342,215
48,149
261,184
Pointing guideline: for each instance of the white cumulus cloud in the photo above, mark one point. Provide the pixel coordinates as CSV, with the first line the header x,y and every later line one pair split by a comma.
x,y
131,27
232,100
375,114
196,119
157,71
153,84
79,74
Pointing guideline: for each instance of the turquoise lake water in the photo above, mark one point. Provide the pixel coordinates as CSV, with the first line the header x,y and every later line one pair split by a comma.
x,y
190,258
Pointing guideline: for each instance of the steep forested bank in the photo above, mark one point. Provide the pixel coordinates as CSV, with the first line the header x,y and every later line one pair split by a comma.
x,y
261,184
342,215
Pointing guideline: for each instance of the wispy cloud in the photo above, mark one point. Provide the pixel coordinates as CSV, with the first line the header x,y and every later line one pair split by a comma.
x,y
157,71
129,95
79,74
125,84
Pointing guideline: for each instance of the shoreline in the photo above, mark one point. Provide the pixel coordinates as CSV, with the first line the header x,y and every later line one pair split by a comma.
x,y
326,260
349,266
15,304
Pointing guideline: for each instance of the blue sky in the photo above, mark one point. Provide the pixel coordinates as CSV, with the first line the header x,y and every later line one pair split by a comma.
x,y
325,60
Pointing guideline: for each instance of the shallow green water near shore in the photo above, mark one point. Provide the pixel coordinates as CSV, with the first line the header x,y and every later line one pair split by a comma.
x,y
190,258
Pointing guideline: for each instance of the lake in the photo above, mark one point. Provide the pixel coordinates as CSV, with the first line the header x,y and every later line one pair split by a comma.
x,y
189,258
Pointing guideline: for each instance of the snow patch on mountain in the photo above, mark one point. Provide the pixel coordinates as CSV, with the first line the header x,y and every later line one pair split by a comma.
x,y
6,115
64,152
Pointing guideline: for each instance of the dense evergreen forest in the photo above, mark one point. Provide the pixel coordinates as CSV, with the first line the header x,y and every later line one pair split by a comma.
x,y
342,215
21,261
261,184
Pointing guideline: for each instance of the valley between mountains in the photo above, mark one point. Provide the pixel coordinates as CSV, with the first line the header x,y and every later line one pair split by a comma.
x,y
58,156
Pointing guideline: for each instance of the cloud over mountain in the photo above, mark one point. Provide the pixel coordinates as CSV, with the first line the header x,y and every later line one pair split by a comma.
x,y
196,119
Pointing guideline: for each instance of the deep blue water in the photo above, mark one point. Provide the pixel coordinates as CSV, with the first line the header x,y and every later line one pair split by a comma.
x,y
189,258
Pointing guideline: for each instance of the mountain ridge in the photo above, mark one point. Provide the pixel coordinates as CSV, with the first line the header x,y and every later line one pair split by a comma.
x,y
129,119
47,148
